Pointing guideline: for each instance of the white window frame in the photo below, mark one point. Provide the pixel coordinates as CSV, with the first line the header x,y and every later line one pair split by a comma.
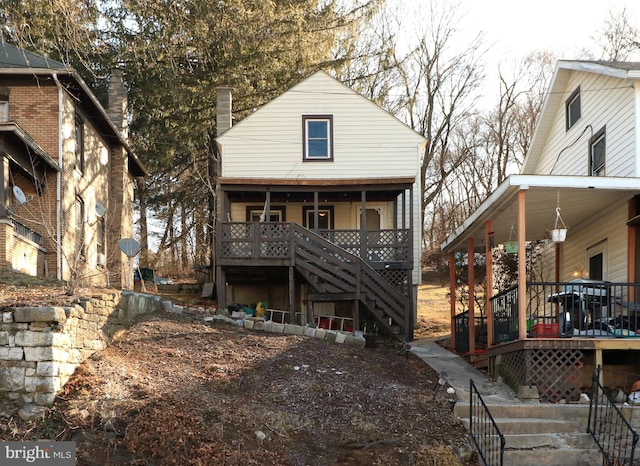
x,y
327,140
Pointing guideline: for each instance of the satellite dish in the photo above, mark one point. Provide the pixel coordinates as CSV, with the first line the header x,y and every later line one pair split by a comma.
x,y
129,246
19,195
99,209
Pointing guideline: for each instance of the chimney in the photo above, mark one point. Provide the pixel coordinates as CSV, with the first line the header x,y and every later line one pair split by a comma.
x,y
223,109
117,110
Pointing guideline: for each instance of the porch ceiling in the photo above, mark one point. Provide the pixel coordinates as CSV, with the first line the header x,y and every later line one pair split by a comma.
x,y
581,198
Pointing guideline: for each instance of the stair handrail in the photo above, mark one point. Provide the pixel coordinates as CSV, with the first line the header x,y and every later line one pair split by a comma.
x,y
375,285
484,431
609,428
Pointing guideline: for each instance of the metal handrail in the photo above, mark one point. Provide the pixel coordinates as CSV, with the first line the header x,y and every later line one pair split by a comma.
x,y
611,431
484,431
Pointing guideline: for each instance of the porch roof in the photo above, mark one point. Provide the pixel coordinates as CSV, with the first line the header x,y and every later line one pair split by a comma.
x,y
581,197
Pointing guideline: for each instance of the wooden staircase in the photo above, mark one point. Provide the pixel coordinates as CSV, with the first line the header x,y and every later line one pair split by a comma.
x,y
339,275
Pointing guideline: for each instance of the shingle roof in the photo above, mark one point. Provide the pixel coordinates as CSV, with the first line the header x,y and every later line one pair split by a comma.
x,y
13,57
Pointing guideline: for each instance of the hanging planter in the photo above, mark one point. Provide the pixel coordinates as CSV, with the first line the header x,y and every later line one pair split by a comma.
x,y
558,235
559,232
511,246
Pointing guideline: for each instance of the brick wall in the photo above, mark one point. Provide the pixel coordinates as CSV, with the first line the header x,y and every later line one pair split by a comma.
x,y
40,348
34,105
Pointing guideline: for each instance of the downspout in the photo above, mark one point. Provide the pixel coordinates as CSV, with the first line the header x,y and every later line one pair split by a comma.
x,y
59,184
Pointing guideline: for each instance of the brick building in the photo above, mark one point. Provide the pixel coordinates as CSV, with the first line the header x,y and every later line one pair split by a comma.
x,y
67,173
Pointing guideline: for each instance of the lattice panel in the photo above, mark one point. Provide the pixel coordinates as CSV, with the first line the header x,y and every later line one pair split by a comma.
x,y
274,230
398,278
274,249
237,249
556,372
237,230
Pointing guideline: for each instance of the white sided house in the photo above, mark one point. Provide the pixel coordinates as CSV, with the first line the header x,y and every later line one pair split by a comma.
x,y
319,210
581,175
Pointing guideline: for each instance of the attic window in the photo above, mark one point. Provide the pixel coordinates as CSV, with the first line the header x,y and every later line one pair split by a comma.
x,y
573,110
598,153
317,135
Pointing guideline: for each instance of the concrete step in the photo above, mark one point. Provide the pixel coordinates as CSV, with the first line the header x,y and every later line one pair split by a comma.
x,y
545,434
530,426
553,457
578,413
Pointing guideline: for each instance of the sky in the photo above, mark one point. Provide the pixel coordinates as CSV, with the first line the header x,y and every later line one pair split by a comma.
x,y
512,29
562,26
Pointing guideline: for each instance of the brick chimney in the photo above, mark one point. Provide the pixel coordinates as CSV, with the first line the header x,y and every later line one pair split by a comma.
x,y
223,109
117,110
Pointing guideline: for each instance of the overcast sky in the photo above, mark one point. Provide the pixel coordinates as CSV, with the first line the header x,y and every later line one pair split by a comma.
x,y
562,26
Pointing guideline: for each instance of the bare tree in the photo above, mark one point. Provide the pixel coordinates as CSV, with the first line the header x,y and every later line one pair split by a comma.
x,y
438,93
618,39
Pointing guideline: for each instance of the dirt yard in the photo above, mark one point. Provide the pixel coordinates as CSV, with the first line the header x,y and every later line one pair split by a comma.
x,y
176,391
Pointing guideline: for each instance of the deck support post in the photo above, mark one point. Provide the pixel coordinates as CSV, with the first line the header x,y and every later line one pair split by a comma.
x,y
292,295
356,315
598,361
221,286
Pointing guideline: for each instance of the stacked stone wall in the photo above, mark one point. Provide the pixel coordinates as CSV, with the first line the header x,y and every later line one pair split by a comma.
x,y
40,348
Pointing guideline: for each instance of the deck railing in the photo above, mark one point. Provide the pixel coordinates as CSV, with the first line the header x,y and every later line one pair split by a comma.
x,y
26,232
579,308
611,431
272,240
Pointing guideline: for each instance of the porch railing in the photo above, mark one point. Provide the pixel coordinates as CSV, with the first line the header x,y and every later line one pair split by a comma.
x,y
484,431
611,431
579,308
26,232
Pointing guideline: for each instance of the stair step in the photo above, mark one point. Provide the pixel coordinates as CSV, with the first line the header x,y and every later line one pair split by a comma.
x,y
530,426
556,457
549,441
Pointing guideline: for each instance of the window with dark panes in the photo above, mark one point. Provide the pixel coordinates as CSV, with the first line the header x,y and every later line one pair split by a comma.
x,y
318,135
79,137
598,153
573,110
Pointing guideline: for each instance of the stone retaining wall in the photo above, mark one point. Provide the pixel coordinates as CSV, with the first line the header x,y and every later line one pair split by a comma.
x,y
40,348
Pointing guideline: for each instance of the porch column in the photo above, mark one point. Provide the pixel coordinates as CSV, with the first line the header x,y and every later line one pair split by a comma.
x,y
522,264
489,280
472,297
292,295
315,211
452,298
363,225
267,206
4,185
404,209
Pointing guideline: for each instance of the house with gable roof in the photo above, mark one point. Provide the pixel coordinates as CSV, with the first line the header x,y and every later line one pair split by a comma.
x,y
319,210
577,197
67,178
